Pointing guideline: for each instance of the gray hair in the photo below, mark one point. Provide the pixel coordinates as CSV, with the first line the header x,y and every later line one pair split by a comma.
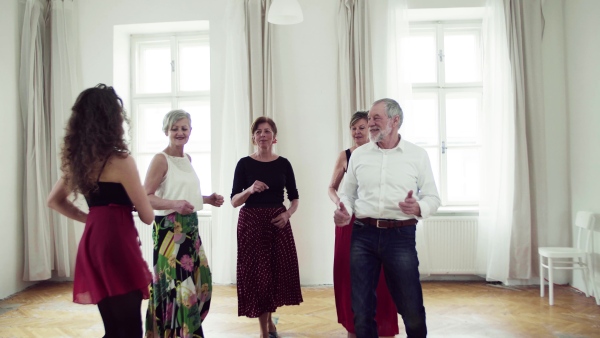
x,y
392,108
173,116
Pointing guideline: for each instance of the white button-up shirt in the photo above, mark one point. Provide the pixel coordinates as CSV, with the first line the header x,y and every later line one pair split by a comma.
x,y
378,179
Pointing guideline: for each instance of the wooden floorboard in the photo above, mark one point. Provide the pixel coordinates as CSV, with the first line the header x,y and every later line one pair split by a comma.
x,y
454,309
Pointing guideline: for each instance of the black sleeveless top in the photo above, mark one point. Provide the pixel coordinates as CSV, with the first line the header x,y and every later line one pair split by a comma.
x,y
108,193
348,153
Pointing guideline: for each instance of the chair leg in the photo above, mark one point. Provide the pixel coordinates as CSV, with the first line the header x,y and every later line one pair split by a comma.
x,y
550,281
541,277
585,277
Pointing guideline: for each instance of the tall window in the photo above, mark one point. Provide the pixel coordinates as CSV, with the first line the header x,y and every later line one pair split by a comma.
x,y
171,72
445,111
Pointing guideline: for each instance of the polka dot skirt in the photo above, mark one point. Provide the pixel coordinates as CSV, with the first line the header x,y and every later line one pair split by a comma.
x,y
267,263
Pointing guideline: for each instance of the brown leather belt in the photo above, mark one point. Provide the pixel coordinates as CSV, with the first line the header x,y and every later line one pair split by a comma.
x,y
387,223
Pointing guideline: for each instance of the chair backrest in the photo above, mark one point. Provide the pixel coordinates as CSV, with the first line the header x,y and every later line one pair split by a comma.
x,y
585,221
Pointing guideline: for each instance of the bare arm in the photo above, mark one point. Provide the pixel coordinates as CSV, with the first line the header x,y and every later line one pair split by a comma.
x,y
336,179
156,172
282,219
129,177
58,200
240,198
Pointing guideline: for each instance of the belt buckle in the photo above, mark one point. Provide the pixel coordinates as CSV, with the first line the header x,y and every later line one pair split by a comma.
x,y
377,224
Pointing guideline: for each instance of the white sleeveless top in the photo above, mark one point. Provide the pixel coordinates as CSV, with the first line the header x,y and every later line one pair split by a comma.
x,y
180,183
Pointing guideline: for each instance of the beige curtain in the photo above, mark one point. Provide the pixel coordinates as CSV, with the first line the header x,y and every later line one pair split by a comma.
x,y
525,24
355,64
258,35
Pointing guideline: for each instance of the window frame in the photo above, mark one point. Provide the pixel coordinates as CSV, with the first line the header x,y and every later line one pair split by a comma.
x,y
442,89
175,97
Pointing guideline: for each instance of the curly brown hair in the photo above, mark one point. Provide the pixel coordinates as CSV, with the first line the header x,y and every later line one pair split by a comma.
x,y
94,132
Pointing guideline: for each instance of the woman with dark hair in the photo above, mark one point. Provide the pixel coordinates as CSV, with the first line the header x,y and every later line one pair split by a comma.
x,y
267,263
109,270
386,315
182,286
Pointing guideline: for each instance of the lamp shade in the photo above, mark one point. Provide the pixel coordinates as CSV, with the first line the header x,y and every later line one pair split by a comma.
x,y
285,12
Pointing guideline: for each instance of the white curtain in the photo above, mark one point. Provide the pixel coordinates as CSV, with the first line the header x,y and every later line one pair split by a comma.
x,y
32,83
390,38
65,86
499,156
48,86
234,140
511,140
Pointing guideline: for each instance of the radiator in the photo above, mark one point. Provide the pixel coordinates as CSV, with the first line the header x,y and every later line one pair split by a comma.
x,y
145,233
451,244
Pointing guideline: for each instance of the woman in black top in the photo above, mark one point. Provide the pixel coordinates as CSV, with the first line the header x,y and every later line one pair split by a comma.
x,y
267,263
109,270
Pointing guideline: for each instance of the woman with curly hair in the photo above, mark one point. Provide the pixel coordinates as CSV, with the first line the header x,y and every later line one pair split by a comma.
x,y
109,270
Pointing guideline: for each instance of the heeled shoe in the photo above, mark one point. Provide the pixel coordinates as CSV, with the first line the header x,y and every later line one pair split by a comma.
x,y
274,335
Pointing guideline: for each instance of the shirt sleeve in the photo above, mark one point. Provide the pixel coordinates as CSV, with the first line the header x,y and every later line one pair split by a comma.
x,y
238,179
429,199
349,190
290,182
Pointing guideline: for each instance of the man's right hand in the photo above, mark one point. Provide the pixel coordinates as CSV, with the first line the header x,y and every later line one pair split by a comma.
x,y
341,217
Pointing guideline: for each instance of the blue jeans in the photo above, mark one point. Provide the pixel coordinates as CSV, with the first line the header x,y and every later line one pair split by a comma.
x,y
395,248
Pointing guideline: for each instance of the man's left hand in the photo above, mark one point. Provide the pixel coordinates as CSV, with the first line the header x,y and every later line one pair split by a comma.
x,y
410,205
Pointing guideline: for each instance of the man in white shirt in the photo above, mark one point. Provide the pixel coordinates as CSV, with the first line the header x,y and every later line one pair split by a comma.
x,y
389,186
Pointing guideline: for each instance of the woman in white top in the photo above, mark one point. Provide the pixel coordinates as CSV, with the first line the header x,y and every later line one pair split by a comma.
x,y
182,285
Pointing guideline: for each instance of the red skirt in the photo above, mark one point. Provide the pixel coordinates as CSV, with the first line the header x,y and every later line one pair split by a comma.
x,y
267,263
386,315
109,258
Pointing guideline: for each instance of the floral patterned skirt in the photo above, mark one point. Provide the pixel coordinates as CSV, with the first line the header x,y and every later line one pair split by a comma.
x,y
181,289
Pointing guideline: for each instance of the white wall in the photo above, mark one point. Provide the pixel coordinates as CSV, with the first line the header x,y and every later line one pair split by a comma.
x,y
11,153
583,92
305,88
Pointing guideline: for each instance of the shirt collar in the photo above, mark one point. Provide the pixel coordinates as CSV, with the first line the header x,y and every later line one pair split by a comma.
x,y
399,147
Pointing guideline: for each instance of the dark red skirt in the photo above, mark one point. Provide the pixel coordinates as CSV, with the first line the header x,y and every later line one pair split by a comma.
x,y
267,263
386,315
109,258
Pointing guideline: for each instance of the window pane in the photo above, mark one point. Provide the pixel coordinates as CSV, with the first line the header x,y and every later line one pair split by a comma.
x,y
148,126
201,131
462,56
420,124
423,57
194,66
143,163
201,164
154,68
434,158
462,118
463,175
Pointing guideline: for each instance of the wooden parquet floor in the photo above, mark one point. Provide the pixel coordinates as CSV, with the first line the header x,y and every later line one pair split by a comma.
x,y
454,309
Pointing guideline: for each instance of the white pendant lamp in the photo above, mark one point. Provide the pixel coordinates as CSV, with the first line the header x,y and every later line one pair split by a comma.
x,y
285,12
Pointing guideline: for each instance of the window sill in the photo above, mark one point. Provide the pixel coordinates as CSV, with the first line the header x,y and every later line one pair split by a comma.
x,y
457,211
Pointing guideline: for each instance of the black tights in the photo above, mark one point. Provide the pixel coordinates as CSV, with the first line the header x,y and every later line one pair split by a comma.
x,y
122,315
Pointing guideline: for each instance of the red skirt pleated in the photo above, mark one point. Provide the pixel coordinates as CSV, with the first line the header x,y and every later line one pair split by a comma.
x,y
267,263
386,315
109,258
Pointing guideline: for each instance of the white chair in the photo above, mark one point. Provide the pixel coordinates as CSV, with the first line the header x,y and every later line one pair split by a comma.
x,y
570,258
